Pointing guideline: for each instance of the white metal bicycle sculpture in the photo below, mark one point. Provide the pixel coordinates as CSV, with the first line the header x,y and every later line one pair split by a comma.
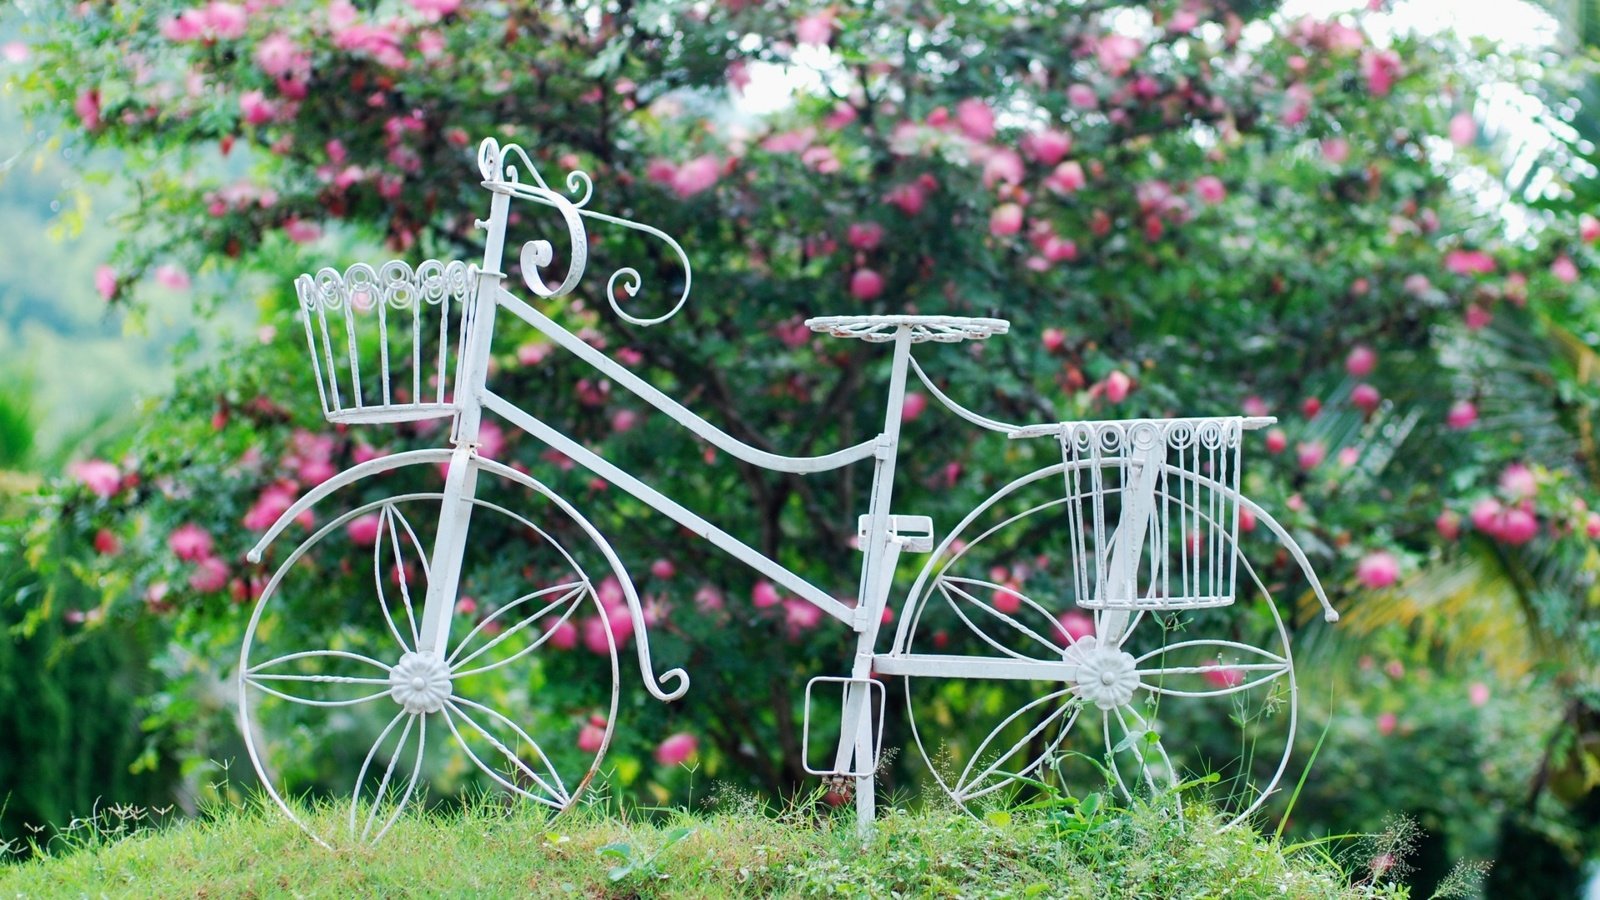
x,y
1150,514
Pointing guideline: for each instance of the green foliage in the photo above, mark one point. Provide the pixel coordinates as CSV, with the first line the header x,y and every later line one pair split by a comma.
x,y
1235,217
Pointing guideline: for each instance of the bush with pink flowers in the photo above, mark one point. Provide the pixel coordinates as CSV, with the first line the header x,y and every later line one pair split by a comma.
x,y
1176,219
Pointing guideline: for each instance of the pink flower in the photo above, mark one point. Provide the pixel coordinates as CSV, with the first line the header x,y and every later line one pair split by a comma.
x,y
591,737
87,106
708,599
209,576
1056,249
300,231
100,477
106,543
1486,515
738,75
909,198
363,530
1361,361
800,615
172,277
1463,129
1365,397
596,637
1002,166
1209,189
1377,570
1380,68
765,595
1349,456
1082,96
663,568
864,235
820,159
1518,526
1448,524
1335,150
1477,318
105,282
1066,178
623,420
1588,228
975,119
435,9
1564,269
815,29
1005,220
1296,104
676,749
273,502
1277,441
1591,527
1310,455
190,543
1468,262
1047,147
563,635
1222,677
1054,339
696,175
1117,386
1255,406
14,52
224,21
1518,482
1076,624
913,406
1116,53
865,284
279,57
1478,693
1387,722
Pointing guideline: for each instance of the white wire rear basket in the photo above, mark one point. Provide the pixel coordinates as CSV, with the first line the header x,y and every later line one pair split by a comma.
x,y
1153,511
384,341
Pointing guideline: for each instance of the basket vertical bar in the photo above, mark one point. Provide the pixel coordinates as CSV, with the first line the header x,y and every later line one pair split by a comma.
x,y
1143,473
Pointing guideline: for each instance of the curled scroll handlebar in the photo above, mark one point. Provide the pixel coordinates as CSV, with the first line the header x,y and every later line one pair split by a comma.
x,y
504,166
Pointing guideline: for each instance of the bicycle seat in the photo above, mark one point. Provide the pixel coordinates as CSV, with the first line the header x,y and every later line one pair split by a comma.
x,y
882,329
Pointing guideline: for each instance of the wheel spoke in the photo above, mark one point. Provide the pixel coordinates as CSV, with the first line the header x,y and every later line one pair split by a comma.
x,y
951,585
575,591
257,675
1198,669
389,535
558,797
964,781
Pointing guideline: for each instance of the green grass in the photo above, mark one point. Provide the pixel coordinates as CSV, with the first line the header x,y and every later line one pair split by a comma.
x,y
743,851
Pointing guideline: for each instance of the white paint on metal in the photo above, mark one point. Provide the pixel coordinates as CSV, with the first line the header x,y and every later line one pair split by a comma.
x,y
1153,508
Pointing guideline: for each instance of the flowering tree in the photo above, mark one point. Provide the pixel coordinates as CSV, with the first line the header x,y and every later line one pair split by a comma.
x,y
1192,207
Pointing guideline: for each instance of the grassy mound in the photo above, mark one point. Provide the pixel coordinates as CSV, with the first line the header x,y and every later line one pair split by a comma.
x,y
488,851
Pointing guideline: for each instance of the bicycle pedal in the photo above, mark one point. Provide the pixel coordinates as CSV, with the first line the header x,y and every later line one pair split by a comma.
x,y
915,531
859,698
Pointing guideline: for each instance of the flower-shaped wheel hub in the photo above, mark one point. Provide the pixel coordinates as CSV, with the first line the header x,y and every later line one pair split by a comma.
x,y
420,683
1106,675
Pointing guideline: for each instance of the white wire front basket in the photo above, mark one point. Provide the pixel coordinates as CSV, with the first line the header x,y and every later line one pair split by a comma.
x,y
1153,511
384,341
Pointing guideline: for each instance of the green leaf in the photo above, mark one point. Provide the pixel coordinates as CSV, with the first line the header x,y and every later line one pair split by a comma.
x,y
998,818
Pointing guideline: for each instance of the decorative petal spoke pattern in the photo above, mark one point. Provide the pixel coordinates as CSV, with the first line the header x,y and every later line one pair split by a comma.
x,y
380,802
554,793
321,678
561,601
1208,668
1060,711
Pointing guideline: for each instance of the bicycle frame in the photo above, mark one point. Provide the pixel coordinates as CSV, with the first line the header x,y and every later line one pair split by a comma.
x,y
1133,465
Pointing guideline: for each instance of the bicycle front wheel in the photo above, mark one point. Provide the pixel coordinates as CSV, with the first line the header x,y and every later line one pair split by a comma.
x,y
349,719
